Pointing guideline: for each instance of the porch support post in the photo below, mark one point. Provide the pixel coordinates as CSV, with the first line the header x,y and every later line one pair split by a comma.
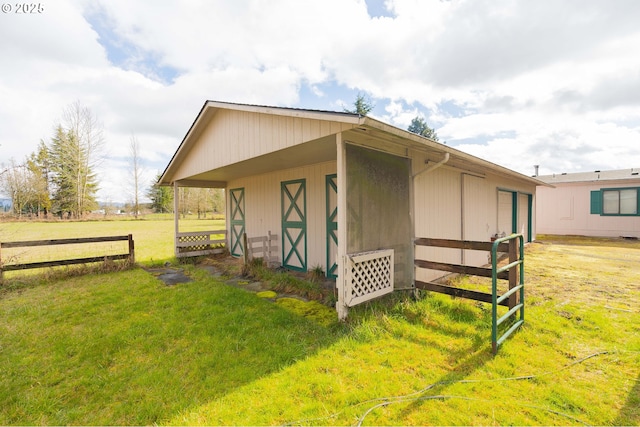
x,y
341,306
176,216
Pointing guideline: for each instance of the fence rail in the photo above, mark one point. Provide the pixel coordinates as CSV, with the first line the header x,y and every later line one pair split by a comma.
x,y
198,243
53,242
265,247
513,298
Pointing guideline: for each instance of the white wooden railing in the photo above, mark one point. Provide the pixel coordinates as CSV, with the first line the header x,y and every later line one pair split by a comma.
x,y
368,275
198,243
265,247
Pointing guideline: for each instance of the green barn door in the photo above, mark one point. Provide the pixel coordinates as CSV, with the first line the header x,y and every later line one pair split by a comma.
x,y
236,198
294,225
332,226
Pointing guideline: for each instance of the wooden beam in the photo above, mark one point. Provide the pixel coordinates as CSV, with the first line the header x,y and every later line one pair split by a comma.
x,y
341,178
456,292
460,269
30,265
460,244
176,217
50,242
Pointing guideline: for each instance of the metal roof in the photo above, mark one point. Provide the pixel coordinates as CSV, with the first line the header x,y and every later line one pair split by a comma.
x,y
598,175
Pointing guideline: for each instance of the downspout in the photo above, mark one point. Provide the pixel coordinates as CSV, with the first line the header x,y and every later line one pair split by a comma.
x,y
432,167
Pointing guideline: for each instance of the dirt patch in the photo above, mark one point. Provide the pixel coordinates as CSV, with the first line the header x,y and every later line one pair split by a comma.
x,y
587,271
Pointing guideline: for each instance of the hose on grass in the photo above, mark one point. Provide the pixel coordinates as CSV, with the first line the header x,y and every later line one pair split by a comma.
x,y
415,396
447,397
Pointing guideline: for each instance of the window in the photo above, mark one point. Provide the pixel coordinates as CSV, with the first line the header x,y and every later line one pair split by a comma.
x,y
615,201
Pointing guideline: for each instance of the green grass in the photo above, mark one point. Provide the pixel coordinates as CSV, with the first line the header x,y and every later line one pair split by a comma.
x,y
121,348
124,349
153,236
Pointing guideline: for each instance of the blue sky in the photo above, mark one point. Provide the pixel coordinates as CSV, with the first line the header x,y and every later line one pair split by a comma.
x,y
518,83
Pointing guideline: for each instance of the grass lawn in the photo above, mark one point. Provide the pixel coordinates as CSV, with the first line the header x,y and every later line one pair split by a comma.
x,y
153,237
122,348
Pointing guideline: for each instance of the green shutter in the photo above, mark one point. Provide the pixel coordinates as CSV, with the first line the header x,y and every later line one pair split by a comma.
x,y
596,203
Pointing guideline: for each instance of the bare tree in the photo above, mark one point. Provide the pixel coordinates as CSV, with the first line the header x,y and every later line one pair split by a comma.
x,y
136,173
82,124
15,183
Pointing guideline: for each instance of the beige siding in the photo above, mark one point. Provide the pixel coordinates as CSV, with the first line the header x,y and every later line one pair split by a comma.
x,y
478,200
452,204
437,202
234,136
565,210
263,211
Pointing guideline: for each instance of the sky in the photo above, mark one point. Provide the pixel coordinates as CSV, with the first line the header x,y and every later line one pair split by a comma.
x,y
554,83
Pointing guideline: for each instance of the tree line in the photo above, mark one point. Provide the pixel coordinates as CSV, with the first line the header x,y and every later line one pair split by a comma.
x,y
60,178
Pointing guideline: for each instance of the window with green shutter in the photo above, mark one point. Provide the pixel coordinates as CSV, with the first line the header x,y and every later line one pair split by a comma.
x,y
596,202
616,202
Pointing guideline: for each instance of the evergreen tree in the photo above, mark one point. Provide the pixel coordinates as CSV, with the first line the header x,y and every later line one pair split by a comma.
x,y
38,166
73,181
161,197
362,105
419,125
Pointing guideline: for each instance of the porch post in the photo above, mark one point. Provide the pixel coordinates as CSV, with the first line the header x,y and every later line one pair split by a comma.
x,y
176,216
341,307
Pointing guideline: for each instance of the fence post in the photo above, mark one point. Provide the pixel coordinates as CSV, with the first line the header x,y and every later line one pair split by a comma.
x,y
132,251
1,267
513,272
265,254
245,248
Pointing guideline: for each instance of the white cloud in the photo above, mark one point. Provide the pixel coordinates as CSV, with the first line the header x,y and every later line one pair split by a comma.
x,y
518,83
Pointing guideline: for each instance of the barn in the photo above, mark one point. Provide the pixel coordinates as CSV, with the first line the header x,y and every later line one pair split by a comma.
x,y
348,193
601,203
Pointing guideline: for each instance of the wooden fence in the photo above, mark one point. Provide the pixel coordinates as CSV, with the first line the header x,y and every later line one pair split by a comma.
x,y
511,275
513,272
53,242
265,247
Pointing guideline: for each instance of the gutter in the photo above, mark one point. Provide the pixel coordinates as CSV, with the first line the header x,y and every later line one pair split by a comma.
x,y
433,167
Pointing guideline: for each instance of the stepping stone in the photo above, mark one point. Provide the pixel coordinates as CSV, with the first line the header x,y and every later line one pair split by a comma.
x,y
170,276
174,277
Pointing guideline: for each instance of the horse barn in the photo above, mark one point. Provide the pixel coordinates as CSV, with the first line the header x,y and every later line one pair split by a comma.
x,y
347,193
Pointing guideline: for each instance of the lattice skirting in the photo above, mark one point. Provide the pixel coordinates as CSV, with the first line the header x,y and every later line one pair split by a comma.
x,y
200,243
368,275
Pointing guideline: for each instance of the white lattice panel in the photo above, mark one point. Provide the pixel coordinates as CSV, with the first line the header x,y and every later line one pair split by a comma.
x,y
368,275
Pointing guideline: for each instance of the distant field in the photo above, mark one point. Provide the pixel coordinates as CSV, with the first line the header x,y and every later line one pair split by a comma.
x,y
153,236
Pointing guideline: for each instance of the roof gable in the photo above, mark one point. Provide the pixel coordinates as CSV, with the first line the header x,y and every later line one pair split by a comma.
x,y
228,140
225,133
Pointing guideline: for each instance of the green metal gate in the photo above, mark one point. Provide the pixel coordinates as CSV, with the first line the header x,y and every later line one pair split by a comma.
x,y
294,224
332,225
516,263
237,220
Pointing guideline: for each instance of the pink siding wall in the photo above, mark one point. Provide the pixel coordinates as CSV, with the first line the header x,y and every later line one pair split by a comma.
x,y
565,210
